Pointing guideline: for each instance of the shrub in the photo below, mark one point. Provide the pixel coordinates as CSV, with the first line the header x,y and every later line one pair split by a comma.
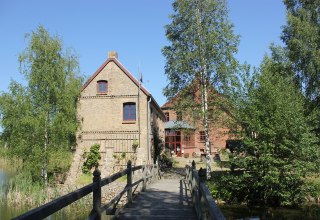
x,y
135,145
92,158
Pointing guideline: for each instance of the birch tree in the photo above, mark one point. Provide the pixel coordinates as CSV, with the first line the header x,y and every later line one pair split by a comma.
x,y
201,50
302,39
44,120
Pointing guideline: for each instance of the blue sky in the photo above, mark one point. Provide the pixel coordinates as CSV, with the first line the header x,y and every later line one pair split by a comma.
x,y
135,29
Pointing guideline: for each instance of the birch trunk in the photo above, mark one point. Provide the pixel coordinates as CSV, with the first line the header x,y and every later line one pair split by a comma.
x,y
44,162
204,95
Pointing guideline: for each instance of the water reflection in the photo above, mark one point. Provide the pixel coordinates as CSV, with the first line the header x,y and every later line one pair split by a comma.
x,y
5,211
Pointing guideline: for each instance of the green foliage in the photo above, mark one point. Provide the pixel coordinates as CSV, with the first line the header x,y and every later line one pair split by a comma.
x,y
119,156
157,145
40,119
59,164
91,159
23,192
135,145
302,39
279,147
200,59
201,36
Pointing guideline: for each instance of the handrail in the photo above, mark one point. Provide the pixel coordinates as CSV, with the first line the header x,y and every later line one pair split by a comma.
x,y
205,206
56,204
41,212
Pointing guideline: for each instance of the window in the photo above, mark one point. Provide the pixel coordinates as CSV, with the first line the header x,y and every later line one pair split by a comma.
x,y
166,115
173,141
129,111
187,138
102,86
202,136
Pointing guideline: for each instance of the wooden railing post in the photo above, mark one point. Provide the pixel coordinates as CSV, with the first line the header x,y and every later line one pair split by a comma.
x,y
97,193
129,181
144,184
202,177
193,165
192,178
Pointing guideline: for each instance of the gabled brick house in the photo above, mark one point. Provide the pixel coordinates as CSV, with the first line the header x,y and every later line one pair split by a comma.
x,y
185,135
111,112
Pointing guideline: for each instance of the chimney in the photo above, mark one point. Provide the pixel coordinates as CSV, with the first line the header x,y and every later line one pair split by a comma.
x,y
113,54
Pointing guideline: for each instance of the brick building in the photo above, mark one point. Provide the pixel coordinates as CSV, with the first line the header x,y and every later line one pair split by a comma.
x,y
185,135
111,112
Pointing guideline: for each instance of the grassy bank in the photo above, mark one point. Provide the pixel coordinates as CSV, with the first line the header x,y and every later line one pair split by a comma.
x,y
21,194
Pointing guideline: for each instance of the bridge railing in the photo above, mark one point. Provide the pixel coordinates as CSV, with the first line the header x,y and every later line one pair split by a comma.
x,y
149,172
205,205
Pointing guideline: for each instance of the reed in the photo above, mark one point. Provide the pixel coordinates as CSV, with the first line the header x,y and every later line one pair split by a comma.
x,y
10,164
23,194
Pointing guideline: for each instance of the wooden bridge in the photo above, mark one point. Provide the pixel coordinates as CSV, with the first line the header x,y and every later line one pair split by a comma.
x,y
179,198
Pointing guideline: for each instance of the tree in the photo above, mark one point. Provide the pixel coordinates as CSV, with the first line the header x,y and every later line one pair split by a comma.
x,y
279,149
201,50
40,119
302,38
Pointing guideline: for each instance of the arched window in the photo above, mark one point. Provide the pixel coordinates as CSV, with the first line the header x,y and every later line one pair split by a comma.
x,y
102,86
129,111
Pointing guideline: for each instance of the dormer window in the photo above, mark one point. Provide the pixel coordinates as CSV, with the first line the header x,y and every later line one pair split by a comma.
x,y
102,86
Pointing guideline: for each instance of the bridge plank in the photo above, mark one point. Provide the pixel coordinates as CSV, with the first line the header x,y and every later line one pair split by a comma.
x,y
164,199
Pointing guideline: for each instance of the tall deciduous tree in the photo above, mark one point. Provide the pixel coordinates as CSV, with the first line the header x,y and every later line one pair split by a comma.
x,y
279,148
301,35
202,45
40,119
302,38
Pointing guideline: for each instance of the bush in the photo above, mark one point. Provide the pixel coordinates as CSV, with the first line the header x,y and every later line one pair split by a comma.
x,y
166,161
59,164
186,155
92,158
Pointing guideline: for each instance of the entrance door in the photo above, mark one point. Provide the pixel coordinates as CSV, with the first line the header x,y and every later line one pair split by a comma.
x,y
173,141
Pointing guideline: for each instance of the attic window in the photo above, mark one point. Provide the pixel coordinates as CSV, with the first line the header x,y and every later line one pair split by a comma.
x,y
102,86
167,117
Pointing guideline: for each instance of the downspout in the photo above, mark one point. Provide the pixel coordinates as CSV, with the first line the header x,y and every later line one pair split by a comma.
x,y
148,128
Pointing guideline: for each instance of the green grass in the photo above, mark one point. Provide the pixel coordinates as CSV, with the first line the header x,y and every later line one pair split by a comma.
x,y
84,179
123,178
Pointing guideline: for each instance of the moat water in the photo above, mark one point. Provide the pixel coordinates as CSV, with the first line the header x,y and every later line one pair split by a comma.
x,y
6,212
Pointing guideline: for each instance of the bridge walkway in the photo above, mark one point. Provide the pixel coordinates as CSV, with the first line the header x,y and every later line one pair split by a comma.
x,y
164,199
